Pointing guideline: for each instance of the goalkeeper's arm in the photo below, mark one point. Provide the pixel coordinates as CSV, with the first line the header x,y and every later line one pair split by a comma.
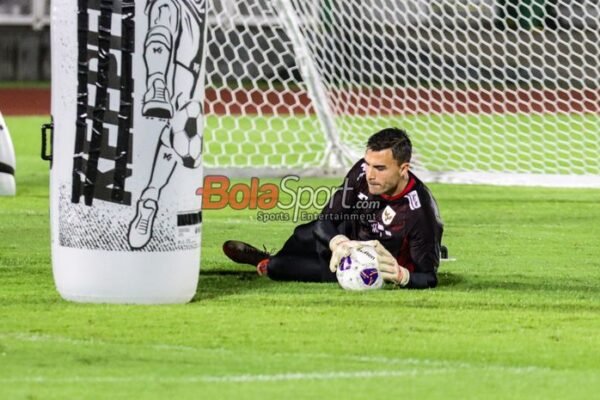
x,y
424,247
422,280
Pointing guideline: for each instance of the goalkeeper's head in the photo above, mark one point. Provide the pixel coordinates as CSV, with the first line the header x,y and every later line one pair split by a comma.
x,y
387,161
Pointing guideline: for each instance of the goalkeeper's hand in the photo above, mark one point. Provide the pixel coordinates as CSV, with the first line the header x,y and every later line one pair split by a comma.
x,y
340,247
389,268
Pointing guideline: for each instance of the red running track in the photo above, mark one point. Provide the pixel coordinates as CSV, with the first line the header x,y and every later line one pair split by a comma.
x,y
375,101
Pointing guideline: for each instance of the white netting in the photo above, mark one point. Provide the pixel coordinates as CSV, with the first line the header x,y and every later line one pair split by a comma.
x,y
501,88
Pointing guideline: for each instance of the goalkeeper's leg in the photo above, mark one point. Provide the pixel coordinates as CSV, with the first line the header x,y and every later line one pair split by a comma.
x,y
304,256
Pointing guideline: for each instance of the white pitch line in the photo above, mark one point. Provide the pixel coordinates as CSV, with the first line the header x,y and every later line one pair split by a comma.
x,y
255,378
246,378
363,359
452,364
321,376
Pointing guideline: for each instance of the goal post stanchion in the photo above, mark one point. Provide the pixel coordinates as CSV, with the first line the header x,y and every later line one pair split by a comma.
x,y
336,155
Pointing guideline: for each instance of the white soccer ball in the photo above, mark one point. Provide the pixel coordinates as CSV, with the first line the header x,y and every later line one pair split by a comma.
x,y
360,270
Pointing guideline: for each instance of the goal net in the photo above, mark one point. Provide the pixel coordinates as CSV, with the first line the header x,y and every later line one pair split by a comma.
x,y
491,91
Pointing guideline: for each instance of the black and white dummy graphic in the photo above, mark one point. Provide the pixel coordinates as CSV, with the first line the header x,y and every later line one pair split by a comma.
x,y
173,57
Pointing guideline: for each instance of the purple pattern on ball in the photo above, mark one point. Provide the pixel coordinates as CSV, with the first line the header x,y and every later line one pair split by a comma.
x,y
369,276
345,263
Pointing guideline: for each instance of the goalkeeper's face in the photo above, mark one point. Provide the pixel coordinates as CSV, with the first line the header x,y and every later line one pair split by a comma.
x,y
384,174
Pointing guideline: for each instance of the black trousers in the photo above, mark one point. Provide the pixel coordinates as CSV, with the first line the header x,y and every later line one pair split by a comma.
x,y
305,255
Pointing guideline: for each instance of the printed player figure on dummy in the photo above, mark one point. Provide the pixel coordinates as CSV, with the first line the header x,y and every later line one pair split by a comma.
x,y
173,54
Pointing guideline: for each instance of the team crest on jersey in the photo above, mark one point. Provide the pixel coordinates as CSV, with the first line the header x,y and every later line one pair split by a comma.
x,y
388,215
413,200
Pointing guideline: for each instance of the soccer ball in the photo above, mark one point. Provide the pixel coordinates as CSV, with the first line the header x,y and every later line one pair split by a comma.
x,y
359,270
186,134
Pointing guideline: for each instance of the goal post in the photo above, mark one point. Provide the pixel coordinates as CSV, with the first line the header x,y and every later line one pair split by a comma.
x,y
491,91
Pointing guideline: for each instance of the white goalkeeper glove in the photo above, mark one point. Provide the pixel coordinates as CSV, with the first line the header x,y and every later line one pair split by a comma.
x,y
389,268
340,247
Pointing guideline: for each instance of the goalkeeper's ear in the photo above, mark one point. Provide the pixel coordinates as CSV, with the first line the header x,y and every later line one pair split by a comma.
x,y
404,168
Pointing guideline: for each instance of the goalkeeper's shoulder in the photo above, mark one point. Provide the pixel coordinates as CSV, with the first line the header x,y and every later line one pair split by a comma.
x,y
423,204
356,172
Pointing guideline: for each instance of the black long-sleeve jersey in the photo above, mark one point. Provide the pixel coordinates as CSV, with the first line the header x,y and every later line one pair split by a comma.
x,y
408,224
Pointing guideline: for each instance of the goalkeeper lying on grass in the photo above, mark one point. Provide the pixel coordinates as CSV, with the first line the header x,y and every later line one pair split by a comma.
x,y
381,201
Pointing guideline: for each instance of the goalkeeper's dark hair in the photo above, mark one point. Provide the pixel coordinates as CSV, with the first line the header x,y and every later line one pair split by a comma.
x,y
395,139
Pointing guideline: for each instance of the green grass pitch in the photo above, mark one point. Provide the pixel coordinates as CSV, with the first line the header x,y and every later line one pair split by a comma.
x,y
516,317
